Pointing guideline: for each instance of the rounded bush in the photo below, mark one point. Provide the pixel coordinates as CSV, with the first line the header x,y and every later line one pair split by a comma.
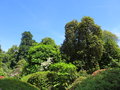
x,y
106,80
41,80
13,84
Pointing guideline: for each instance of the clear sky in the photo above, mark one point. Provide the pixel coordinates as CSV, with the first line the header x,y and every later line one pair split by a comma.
x,y
47,18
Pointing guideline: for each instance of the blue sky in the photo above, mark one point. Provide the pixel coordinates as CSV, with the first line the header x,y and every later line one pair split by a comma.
x,y
47,18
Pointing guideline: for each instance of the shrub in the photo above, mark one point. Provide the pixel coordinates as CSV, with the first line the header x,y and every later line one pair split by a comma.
x,y
83,73
76,82
13,84
2,73
106,80
63,68
41,80
66,74
60,76
25,78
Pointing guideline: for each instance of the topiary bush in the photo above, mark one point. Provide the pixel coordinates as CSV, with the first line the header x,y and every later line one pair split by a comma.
x,y
106,80
13,84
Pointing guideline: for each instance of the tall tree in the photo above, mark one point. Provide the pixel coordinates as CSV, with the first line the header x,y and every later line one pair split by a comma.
x,y
26,42
83,43
69,43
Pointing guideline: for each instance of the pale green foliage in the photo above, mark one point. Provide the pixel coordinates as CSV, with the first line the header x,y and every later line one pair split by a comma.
x,y
2,73
109,35
39,54
66,74
63,68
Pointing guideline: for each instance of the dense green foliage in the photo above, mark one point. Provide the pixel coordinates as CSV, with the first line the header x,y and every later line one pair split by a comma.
x,y
26,42
25,78
48,66
57,78
83,43
39,54
106,80
40,80
12,84
66,74
48,41
11,57
76,82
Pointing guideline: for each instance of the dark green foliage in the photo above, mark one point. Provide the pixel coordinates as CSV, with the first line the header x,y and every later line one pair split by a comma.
x,y
68,46
83,44
10,57
26,42
2,73
12,84
106,80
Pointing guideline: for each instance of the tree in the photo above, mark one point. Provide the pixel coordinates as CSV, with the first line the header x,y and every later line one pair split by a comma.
x,y
39,54
48,41
83,43
68,47
2,73
111,52
109,35
26,43
10,57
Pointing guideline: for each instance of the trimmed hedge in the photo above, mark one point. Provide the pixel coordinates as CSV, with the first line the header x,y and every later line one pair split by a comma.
x,y
13,84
